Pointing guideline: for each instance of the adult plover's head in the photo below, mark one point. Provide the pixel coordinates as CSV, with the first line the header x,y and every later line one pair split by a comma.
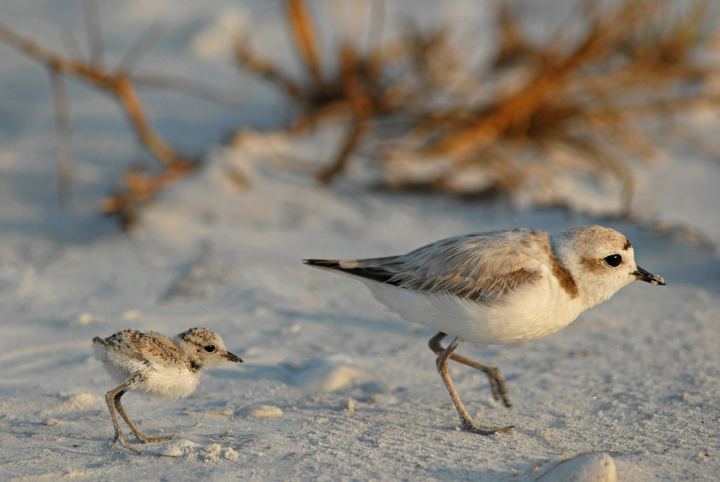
x,y
204,348
601,260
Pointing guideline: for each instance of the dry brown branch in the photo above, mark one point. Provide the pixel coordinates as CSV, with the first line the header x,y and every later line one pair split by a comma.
x,y
304,38
141,187
334,110
63,135
586,99
517,108
117,84
350,143
513,50
138,187
357,93
265,70
126,94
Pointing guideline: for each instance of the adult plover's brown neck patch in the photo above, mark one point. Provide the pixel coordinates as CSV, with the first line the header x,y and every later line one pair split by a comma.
x,y
566,280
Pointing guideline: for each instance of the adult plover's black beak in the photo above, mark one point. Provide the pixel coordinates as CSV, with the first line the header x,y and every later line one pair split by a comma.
x,y
647,276
231,357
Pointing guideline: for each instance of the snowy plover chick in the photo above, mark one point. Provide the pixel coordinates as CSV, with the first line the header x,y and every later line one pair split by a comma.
x,y
151,363
497,288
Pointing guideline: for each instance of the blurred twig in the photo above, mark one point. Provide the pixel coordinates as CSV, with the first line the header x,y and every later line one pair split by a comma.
x,y
139,187
63,135
117,84
356,90
305,40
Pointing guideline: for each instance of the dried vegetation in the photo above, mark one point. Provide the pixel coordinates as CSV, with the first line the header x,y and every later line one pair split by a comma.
x,y
604,90
120,83
577,102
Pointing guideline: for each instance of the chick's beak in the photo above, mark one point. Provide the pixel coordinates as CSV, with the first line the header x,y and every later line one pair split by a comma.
x,y
232,357
648,277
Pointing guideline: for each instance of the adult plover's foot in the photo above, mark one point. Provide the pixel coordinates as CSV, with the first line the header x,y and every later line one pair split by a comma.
x,y
484,429
123,441
151,440
498,386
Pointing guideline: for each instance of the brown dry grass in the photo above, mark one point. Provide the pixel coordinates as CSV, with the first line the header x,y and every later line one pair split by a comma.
x,y
415,105
119,83
586,91
359,90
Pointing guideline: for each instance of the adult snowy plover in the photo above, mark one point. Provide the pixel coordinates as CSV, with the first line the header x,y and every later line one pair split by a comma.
x,y
151,363
497,288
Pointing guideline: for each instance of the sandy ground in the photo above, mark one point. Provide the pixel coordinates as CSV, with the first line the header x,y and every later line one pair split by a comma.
x,y
333,387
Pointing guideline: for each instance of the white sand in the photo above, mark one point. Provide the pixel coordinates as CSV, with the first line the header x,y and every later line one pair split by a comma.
x,y
637,378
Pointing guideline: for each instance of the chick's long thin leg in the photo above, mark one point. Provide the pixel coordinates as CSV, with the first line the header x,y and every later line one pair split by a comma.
x,y
110,400
465,418
136,431
497,381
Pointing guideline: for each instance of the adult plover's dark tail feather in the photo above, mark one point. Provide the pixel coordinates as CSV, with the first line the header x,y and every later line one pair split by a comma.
x,y
323,263
353,267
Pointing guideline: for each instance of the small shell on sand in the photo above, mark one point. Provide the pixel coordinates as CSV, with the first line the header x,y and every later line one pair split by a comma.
x,y
180,448
131,315
83,319
81,401
219,413
597,467
350,406
262,411
230,453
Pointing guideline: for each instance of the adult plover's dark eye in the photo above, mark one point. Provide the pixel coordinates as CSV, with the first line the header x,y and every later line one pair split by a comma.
x,y
613,260
210,348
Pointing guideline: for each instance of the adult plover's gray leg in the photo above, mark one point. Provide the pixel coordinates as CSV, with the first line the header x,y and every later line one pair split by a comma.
x,y
465,418
136,431
110,400
497,381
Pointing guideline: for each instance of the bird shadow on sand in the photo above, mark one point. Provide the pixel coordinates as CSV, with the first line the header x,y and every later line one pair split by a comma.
x,y
390,323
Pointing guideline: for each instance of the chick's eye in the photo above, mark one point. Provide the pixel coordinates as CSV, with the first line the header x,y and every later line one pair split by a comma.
x,y
613,260
210,348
